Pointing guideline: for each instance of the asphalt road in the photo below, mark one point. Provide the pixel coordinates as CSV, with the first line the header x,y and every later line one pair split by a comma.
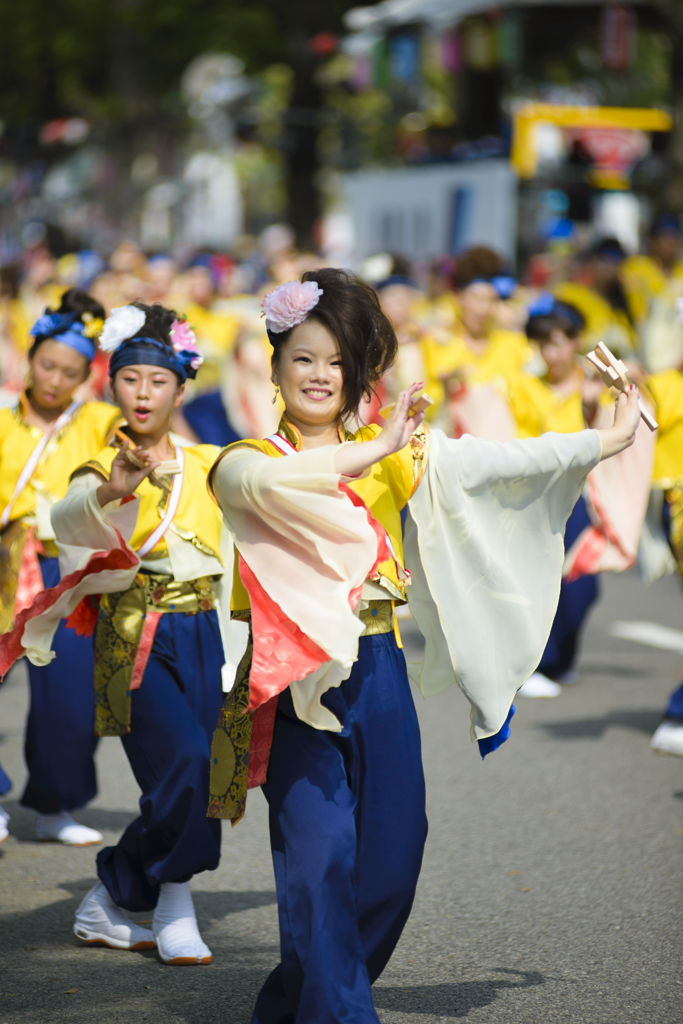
x,y
551,889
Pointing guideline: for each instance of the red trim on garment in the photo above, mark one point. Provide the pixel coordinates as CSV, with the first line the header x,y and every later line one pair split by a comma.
x,y
587,551
102,561
282,652
383,550
84,616
261,741
144,648
30,578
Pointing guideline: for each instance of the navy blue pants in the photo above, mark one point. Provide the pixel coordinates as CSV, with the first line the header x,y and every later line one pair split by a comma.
x,y
674,709
5,782
575,601
347,828
174,714
60,740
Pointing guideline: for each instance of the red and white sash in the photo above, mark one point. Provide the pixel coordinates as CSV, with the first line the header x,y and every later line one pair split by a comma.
x,y
171,509
34,458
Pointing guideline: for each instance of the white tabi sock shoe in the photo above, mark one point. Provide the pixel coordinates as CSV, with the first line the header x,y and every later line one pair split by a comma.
x,y
668,739
539,685
61,828
100,921
175,927
4,818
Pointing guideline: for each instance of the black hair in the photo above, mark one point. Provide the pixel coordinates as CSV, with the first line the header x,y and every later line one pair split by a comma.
x,y
350,310
563,317
74,304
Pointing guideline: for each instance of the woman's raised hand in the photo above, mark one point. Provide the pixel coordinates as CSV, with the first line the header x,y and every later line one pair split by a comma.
x,y
626,419
125,477
401,425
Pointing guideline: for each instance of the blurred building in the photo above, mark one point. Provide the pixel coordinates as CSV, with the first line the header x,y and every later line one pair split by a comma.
x,y
420,83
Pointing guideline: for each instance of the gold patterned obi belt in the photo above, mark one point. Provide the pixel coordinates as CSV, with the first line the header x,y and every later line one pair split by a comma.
x,y
124,636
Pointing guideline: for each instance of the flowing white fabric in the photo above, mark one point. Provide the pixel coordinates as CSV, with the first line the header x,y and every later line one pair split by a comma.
x,y
484,543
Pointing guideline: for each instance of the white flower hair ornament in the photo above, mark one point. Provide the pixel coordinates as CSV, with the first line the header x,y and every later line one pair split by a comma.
x,y
123,323
289,304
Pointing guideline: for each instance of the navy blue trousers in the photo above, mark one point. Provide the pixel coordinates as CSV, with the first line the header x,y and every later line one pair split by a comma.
x,y
5,782
348,829
174,715
575,601
60,740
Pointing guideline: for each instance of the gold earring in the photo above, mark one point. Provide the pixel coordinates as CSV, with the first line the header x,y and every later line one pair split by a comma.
x,y
277,392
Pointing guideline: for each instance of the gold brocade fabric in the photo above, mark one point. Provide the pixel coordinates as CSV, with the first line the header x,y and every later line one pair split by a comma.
x,y
230,749
12,540
674,499
119,629
232,738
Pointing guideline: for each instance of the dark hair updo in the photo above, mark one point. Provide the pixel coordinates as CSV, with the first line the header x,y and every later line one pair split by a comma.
x,y
349,309
74,304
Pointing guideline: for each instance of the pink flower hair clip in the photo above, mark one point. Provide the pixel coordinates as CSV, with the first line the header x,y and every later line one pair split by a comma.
x,y
183,337
289,304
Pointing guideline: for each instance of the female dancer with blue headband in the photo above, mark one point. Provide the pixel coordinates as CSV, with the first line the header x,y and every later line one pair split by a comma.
x,y
321,712
138,528
42,440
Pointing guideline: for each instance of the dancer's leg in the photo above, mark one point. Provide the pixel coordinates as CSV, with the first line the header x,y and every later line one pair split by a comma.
x,y
174,714
60,736
347,829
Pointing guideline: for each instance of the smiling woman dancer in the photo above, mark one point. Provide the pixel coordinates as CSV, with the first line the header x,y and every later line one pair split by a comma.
x,y
42,440
321,712
151,546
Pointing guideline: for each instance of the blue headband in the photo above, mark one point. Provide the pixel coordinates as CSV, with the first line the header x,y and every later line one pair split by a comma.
x,y
504,284
64,327
142,351
395,279
547,305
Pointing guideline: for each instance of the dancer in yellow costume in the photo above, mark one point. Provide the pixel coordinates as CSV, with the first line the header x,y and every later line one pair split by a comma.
x,y
659,271
604,527
154,551
321,712
666,390
477,351
42,440
603,303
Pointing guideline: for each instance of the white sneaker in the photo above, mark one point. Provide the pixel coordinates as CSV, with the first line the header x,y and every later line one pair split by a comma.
x,y
668,739
61,828
100,922
539,685
4,818
175,927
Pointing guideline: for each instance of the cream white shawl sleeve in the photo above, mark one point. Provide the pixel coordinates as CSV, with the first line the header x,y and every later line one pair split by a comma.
x,y
485,546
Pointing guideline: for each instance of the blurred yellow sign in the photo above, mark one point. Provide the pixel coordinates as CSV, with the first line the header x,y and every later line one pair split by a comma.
x,y
524,158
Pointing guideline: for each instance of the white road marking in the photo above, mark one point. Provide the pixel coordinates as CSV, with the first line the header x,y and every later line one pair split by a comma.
x,y
650,633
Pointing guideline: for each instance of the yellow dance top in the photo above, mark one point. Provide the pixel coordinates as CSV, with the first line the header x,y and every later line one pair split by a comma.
x,y
197,519
538,409
385,491
643,279
506,353
667,392
603,322
85,433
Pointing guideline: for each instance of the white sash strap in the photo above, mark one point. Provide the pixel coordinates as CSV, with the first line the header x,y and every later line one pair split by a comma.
x,y
34,458
171,509
282,444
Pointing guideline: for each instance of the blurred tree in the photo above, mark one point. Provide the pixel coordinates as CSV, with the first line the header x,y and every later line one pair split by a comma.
x,y
122,60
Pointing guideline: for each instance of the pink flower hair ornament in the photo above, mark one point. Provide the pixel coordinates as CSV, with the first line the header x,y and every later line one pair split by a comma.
x,y
184,343
289,304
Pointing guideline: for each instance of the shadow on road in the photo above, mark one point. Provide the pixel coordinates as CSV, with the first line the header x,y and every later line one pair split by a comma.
x,y
455,1000
595,728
